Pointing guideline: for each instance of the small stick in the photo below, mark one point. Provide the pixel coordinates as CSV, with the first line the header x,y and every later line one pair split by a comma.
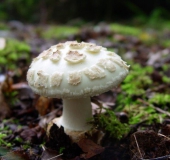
x,y
138,146
156,108
55,156
43,148
158,158
163,136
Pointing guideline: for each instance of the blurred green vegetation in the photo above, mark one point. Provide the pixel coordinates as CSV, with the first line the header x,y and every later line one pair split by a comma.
x,y
147,34
139,113
161,100
124,29
19,8
59,32
135,100
13,51
149,27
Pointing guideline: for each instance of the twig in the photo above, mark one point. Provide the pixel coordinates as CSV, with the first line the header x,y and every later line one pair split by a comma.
x,y
137,146
163,136
43,148
156,108
55,156
99,104
157,88
158,158
161,111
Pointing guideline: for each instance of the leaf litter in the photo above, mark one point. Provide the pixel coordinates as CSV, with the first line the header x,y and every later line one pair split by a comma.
x,y
24,115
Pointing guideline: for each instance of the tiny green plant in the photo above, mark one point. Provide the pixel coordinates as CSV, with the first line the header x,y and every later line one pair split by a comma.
x,y
3,142
61,150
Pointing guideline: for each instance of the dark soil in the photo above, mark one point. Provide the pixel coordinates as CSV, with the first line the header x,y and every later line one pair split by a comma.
x,y
24,116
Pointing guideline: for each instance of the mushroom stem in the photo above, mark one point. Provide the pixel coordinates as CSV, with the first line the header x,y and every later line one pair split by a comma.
x,y
76,113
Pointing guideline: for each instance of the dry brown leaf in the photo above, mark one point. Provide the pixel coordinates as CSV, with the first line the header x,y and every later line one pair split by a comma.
x,y
99,106
6,85
15,155
33,135
90,148
4,108
42,105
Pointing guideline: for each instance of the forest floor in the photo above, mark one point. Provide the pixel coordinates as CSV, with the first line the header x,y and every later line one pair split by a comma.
x,y
141,103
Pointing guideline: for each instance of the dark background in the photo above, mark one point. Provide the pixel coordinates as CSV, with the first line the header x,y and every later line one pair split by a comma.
x,y
62,11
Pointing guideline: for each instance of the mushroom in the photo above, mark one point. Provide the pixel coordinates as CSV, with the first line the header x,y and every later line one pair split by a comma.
x,y
75,72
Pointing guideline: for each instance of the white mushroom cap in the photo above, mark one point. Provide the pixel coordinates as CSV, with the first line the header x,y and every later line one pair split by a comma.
x,y
73,70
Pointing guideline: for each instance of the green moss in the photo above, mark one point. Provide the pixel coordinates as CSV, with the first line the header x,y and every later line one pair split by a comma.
x,y
138,113
134,97
161,100
109,123
166,79
165,43
124,29
3,26
134,86
13,51
59,32
166,67
139,77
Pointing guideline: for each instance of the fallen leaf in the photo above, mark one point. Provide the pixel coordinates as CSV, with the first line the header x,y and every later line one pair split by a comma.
x,y
45,120
99,106
90,148
6,85
4,108
153,58
42,105
2,78
34,135
15,155
119,37
108,98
